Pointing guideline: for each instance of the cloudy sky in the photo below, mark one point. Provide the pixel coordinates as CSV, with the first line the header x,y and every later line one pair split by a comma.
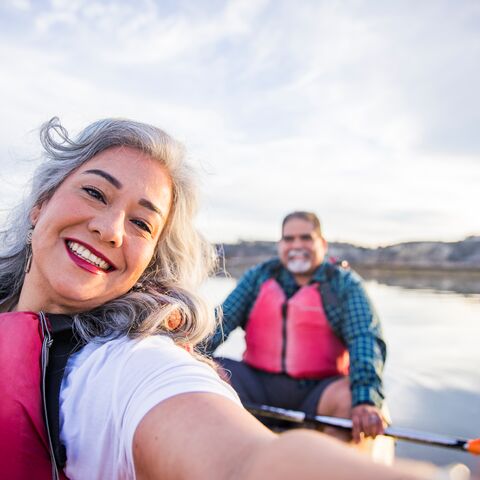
x,y
366,112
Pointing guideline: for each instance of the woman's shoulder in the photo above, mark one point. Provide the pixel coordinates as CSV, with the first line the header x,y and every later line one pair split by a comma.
x,y
121,379
155,351
155,359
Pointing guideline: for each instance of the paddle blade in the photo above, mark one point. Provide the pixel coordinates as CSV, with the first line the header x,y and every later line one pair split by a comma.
x,y
473,446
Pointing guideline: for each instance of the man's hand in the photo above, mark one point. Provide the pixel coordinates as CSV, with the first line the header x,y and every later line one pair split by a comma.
x,y
366,419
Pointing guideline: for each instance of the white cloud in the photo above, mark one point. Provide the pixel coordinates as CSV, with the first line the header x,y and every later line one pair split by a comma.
x,y
23,5
364,112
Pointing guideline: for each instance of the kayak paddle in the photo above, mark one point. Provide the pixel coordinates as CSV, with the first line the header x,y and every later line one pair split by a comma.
x,y
294,416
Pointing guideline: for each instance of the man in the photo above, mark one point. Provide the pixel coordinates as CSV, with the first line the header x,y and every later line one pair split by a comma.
x,y
313,341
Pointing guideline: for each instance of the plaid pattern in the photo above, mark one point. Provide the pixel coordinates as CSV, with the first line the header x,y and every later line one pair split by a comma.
x,y
349,312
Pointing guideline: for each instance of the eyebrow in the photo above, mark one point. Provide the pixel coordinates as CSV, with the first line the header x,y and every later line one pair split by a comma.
x,y
148,204
109,178
302,236
118,185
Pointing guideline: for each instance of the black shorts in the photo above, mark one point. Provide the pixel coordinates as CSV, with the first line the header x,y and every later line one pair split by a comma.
x,y
275,389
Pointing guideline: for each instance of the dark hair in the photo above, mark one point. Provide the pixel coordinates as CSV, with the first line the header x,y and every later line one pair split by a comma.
x,y
307,216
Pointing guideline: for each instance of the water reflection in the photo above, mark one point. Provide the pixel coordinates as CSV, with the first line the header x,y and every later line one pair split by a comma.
x,y
457,414
431,376
463,282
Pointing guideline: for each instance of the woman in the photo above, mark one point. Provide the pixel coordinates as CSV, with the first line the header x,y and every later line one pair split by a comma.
x,y
106,245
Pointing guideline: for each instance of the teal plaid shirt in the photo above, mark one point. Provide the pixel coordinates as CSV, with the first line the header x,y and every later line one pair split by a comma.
x,y
348,310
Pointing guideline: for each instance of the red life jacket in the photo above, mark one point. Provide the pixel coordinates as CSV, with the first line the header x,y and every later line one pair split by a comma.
x,y
28,444
293,336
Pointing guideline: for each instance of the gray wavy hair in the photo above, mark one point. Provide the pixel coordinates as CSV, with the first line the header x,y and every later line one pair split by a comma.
x,y
167,289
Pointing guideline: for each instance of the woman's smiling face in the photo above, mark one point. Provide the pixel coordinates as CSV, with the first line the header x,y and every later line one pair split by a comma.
x,y
97,233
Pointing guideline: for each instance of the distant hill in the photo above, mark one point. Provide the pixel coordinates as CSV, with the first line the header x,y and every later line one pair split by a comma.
x,y
462,255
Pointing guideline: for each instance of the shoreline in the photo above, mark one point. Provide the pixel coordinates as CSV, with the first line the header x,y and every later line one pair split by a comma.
x,y
422,269
240,263
454,279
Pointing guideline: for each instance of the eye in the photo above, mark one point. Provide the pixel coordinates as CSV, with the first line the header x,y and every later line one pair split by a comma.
x,y
143,225
95,193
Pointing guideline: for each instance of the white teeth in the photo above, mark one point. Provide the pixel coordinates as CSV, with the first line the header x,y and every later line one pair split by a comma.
x,y
87,255
298,252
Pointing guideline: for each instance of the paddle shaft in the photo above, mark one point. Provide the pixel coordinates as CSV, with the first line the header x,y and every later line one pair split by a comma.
x,y
298,417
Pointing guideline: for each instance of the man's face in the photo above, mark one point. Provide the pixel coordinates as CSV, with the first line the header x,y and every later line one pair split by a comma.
x,y
301,249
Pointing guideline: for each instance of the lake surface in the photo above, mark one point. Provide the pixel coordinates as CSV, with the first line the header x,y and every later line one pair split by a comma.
x,y
432,377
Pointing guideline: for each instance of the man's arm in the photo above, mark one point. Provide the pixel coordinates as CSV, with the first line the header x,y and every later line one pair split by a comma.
x,y
361,330
234,311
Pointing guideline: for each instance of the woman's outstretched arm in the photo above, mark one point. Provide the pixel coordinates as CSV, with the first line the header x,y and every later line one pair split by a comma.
x,y
207,437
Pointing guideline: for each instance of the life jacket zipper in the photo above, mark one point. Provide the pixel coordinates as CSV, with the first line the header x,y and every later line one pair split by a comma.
x,y
46,344
284,336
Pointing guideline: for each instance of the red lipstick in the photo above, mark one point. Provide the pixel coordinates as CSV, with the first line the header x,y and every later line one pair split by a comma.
x,y
83,263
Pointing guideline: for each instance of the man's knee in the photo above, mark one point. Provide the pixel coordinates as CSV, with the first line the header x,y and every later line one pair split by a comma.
x,y
336,400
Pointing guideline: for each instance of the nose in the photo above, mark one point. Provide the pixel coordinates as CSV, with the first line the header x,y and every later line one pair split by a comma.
x,y
297,242
109,226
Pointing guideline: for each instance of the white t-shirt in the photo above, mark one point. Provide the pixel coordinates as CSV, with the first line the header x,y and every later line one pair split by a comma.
x,y
107,390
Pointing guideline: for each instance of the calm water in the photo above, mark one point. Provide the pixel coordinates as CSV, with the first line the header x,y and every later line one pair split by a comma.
x,y
432,374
